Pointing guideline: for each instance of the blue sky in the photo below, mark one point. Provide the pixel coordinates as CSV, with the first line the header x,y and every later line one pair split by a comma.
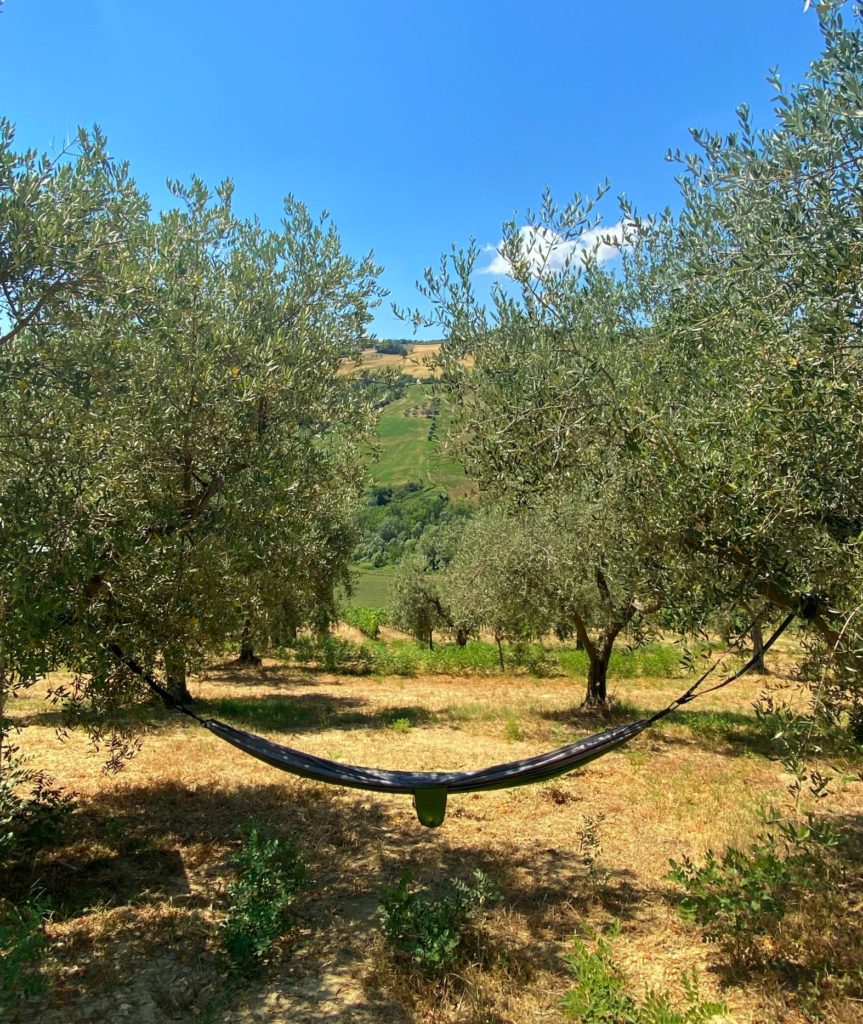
x,y
416,124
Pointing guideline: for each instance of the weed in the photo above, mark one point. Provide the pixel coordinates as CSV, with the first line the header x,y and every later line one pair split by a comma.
x,y
332,654
401,725
599,994
513,730
428,926
743,895
270,875
22,948
590,842
34,813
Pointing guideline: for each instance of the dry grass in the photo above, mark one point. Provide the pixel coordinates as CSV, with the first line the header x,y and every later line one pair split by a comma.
x,y
415,364
139,887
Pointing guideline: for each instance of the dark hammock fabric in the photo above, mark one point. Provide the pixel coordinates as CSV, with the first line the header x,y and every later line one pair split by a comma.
x,y
429,789
529,769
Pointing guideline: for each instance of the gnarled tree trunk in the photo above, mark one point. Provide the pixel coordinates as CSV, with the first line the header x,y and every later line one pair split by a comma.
x,y
247,647
175,677
757,638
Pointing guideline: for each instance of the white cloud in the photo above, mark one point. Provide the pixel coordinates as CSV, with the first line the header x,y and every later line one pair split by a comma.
x,y
549,253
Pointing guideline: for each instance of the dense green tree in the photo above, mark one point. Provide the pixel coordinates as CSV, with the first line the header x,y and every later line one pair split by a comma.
x,y
64,222
713,379
495,581
416,602
185,430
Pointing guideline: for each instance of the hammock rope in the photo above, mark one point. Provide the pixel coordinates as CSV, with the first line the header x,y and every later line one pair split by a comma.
x,y
431,789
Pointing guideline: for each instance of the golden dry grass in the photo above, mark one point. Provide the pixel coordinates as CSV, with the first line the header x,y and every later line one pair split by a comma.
x,y
415,364
142,883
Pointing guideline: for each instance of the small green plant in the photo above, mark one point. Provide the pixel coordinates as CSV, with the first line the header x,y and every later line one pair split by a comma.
x,y
22,949
513,730
428,926
742,895
401,725
271,873
367,620
34,812
599,994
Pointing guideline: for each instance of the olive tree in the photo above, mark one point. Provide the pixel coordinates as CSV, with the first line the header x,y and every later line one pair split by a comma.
x,y
177,434
711,379
493,582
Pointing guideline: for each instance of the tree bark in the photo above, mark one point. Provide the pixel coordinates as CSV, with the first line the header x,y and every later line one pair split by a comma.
x,y
499,642
758,648
599,655
175,678
247,647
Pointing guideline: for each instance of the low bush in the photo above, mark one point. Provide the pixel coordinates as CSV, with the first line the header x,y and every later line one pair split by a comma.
x,y
332,654
271,873
428,926
34,812
367,620
741,897
599,993
22,950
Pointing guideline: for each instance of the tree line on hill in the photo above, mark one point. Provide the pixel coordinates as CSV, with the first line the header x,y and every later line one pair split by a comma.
x,y
182,459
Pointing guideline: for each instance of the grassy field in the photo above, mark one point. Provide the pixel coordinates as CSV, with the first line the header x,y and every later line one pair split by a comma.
x,y
371,587
139,886
407,452
415,363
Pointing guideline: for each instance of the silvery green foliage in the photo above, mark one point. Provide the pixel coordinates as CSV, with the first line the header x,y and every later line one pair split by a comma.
x,y
706,390
180,449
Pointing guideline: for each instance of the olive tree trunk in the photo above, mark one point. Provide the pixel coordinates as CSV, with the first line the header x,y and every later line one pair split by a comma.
x,y
175,677
757,638
247,646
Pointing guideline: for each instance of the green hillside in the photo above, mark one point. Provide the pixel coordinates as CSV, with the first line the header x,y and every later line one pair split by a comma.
x,y
409,434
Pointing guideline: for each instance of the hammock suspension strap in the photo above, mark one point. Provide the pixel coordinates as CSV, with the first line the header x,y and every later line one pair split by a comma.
x,y
430,789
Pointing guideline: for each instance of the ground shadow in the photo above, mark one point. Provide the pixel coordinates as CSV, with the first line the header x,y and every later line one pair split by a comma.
x,y
156,856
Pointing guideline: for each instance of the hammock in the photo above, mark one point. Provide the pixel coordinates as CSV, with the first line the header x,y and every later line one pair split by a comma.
x,y
431,789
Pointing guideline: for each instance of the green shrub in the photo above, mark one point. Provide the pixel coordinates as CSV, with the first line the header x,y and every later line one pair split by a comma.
x,y
401,725
270,875
367,620
599,994
399,658
534,657
743,895
428,926
33,811
22,948
513,730
333,654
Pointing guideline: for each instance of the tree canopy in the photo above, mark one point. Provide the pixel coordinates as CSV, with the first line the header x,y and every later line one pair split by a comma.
x,y
707,385
179,446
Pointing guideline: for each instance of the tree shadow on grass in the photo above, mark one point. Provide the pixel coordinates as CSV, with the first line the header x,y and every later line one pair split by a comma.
x,y
710,726
308,713
268,712
151,863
